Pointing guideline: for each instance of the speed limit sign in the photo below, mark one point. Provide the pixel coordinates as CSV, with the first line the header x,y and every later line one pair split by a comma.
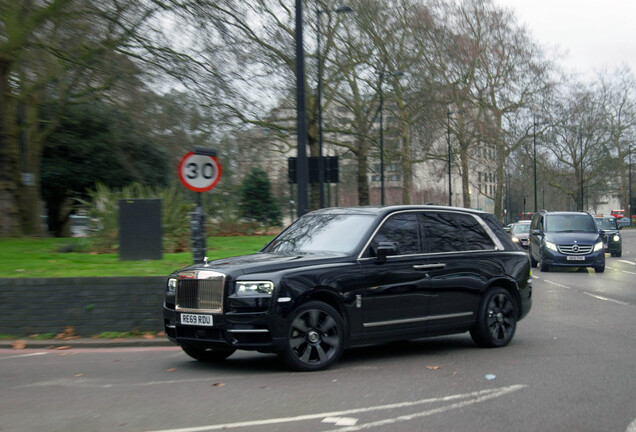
x,y
199,173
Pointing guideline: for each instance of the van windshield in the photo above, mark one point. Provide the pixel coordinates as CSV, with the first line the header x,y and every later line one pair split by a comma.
x,y
570,223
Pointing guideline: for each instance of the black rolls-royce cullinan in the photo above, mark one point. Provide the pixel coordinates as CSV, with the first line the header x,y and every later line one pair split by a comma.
x,y
343,277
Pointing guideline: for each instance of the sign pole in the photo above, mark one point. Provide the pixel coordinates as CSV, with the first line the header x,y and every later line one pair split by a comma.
x,y
199,171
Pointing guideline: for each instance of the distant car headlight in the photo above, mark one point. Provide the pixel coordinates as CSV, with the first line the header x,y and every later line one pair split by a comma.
x,y
552,246
171,287
616,238
515,240
598,246
251,288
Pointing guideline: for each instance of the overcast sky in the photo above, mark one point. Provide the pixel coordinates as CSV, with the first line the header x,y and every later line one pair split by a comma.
x,y
594,34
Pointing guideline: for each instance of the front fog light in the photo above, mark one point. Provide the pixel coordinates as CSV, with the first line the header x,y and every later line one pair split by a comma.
x,y
171,287
248,288
598,246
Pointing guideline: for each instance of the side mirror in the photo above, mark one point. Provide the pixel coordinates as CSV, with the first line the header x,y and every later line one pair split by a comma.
x,y
385,249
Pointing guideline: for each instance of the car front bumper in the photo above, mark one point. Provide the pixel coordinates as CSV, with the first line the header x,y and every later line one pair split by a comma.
x,y
593,259
246,331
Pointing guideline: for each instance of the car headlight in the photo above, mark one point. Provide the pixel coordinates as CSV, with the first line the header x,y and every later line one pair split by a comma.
x,y
616,238
551,246
251,288
171,287
515,239
598,246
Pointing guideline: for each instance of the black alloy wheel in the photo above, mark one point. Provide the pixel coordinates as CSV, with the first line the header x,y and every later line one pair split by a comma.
x,y
315,337
496,319
207,355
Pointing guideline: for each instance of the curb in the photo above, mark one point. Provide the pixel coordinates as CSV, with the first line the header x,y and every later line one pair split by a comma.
x,y
56,344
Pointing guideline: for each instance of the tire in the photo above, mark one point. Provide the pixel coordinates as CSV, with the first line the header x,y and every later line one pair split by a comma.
x,y
315,337
207,355
496,319
618,253
599,269
544,267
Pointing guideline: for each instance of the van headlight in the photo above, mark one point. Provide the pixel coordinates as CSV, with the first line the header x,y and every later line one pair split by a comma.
x,y
254,288
551,246
598,246
171,287
616,237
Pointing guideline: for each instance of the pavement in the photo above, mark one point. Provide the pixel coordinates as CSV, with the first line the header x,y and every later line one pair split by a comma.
x,y
78,343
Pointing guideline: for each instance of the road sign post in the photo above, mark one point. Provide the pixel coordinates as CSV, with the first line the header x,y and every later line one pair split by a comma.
x,y
199,171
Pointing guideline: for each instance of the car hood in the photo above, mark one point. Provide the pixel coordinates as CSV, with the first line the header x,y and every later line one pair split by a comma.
x,y
584,238
265,262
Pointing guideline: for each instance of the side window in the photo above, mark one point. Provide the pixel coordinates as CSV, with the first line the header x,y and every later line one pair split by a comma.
x,y
453,232
402,229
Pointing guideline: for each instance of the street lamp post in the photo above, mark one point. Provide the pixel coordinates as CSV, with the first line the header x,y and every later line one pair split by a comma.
x,y
629,199
301,120
382,75
534,156
582,195
321,162
450,184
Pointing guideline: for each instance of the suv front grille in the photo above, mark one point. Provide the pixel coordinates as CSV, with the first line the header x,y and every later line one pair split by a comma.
x,y
200,295
575,249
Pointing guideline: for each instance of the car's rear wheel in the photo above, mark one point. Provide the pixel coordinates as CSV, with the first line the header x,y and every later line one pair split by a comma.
x,y
496,319
315,337
207,355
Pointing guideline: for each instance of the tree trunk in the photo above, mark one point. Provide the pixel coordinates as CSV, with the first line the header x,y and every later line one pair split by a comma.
x,y
9,153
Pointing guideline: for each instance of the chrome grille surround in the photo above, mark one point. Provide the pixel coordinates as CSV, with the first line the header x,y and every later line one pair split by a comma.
x,y
575,249
200,291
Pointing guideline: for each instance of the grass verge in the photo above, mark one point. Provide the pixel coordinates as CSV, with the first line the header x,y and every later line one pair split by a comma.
x,y
52,257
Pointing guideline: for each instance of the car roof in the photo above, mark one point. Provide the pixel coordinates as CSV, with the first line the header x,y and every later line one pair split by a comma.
x,y
380,210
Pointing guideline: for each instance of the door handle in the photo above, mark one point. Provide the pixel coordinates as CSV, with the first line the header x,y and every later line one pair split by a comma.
x,y
429,266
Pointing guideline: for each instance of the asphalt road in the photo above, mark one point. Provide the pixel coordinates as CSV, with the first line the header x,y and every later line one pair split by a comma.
x,y
571,367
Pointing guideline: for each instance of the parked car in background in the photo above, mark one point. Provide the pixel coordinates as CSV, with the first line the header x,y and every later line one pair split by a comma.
x,y
344,277
566,239
612,239
623,222
520,233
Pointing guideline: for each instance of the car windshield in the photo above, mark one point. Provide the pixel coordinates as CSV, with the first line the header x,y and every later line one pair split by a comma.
x,y
520,228
339,233
606,223
570,223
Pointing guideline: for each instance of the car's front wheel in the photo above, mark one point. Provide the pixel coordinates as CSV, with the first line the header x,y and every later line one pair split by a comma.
x,y
207,355
496,319
600,269
315,337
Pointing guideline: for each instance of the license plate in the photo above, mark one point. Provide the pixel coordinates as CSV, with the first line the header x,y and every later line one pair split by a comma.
x,y
196,319
576,258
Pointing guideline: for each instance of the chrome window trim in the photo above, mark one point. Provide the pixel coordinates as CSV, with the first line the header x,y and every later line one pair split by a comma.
x,y
497,243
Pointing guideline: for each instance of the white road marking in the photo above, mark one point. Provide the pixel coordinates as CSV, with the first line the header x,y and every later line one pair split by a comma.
x,y
409,417
631,427
23,355
628,272
605,298
628,262
473,398
341,421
